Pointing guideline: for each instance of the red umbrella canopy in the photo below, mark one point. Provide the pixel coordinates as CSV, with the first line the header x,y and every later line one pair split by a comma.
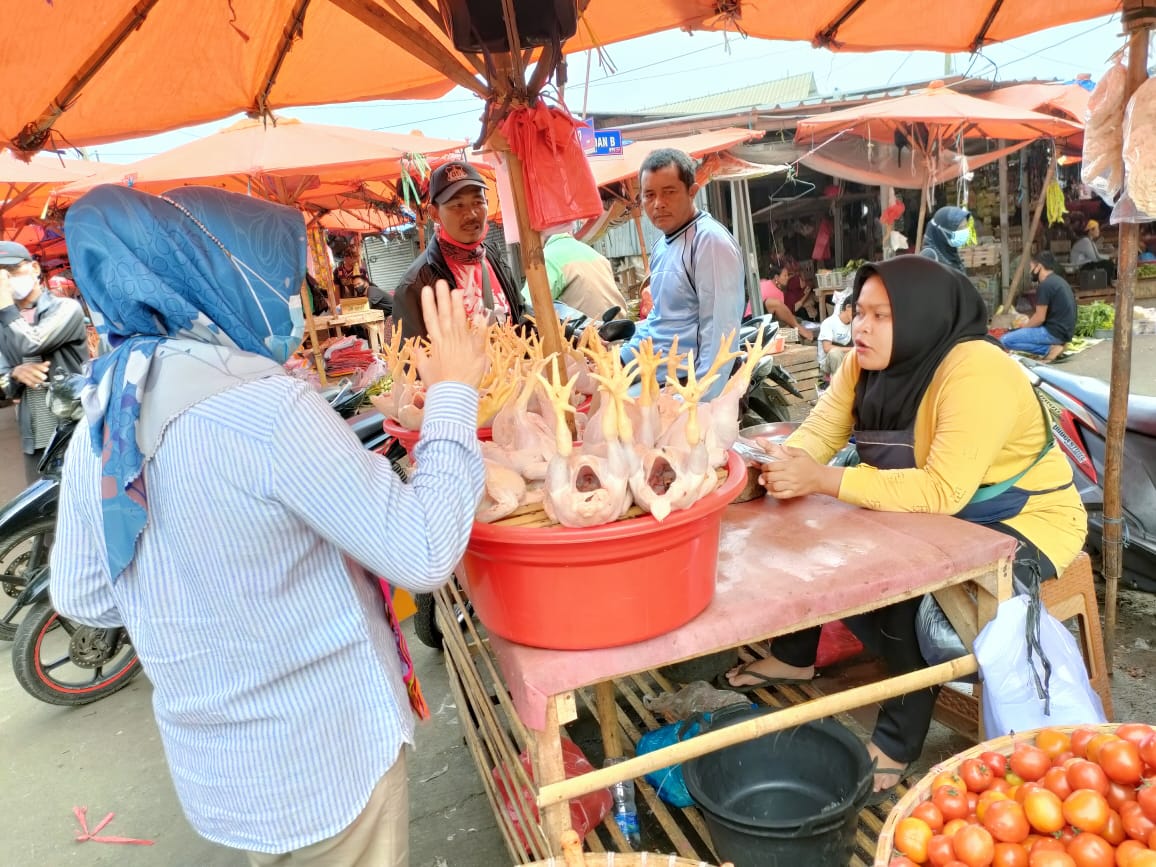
x,y
946,115
119,68
607,170
284,159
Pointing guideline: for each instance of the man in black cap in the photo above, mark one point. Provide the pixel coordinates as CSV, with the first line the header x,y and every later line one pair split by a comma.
x,y
457,254
41,335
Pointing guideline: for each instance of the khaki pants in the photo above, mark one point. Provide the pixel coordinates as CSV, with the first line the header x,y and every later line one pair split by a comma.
x,y
379,837
833,360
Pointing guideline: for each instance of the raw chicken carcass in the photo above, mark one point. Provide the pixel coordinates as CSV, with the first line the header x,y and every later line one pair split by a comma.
x,y
588,487
505,491
522,439
724,409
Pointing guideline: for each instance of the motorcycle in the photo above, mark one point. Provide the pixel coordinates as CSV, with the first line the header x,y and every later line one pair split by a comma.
x,y
1079,410
54,659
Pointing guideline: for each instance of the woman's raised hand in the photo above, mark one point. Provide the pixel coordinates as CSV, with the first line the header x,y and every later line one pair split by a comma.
x,y
458,352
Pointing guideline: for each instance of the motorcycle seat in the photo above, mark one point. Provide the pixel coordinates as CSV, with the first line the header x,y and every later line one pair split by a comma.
x,y
1094,394
367,425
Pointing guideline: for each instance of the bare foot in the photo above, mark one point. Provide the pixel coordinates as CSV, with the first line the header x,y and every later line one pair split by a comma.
x,y
891,771
1054,352
741,675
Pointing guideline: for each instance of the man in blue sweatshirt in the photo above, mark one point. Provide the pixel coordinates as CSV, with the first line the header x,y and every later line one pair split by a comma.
x,y
696,268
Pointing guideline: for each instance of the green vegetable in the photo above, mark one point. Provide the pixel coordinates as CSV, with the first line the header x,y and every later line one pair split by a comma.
x,y
1146,272
1094,317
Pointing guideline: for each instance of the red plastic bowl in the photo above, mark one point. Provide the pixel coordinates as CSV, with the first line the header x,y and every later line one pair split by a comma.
x,y
565,588
408,438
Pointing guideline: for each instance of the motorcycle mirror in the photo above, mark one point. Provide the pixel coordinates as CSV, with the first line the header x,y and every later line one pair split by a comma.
x,y
618,329
610,314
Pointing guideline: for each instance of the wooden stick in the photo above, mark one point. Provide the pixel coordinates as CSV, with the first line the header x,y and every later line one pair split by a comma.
x,y
1004,255
1121,374
922,213
607,705
557,793
1013,288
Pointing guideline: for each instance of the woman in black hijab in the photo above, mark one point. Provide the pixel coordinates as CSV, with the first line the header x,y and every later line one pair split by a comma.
x,y
944,423
946,233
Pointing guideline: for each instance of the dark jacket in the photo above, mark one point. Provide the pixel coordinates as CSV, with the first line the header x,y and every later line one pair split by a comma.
x,y
57,336
430,267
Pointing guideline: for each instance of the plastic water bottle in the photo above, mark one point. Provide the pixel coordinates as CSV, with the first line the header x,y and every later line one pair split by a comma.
x,y
625,811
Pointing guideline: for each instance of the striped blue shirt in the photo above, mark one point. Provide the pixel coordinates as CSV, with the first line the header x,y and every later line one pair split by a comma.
x,y
276,681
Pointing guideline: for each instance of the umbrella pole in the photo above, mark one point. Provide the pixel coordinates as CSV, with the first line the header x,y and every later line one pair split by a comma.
x,y
641,241
1012,290
923,194
1113,543
1004,260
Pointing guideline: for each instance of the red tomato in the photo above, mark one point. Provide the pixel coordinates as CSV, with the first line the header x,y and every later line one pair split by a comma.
x,y
1056,780
929,813
1006,821
1143,858
1148,751
1053,742
1049,858
996,761
947,779
1097,743
1136,824
972,801
901,862
974,846
1025,790
1047,844
999,784
1146,798
1045,811
953,826
1135,733
1121,761
1083,774
952,802
985,799
1010,855
1118,795
976,775
1114,831
939,851
1090,850
1126,851
1080,738
912,837
1029,763
1087,810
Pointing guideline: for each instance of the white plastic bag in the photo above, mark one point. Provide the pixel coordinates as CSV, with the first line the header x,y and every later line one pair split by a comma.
x,y
1019,693
1103,163
1138,203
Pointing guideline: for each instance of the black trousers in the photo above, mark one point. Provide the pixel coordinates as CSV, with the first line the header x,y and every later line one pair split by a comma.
x,y
32,465
889,632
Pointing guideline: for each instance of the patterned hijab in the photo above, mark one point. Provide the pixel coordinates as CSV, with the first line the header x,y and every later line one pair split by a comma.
x,y
194,293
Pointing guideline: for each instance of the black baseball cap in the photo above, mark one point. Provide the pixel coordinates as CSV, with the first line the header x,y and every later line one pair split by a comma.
x,y
448,179
12,253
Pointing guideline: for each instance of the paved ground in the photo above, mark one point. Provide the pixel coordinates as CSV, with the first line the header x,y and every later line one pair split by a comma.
x,y
108,756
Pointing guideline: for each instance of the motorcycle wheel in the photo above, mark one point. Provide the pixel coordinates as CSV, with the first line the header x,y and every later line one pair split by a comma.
x,y
16,556
425,624
43,666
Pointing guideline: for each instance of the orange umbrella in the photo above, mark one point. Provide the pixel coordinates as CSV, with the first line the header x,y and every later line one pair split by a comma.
x,y
26,186
608,170
285,160
363,221
1065,100
939,113
121,68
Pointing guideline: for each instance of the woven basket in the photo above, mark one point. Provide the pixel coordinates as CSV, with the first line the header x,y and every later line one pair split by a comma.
x,y
573,856
922,790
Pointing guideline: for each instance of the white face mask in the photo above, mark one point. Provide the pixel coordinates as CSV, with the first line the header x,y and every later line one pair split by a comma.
x,y
23,284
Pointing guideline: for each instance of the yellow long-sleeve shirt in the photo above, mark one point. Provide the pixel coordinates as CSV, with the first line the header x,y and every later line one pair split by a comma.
x,y
979,423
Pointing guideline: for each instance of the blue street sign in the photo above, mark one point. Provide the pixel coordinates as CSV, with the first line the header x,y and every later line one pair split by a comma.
x,y
608,143
586,136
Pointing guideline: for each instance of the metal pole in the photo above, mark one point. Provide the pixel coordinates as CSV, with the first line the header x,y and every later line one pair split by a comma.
x,y
1113,543
1004,229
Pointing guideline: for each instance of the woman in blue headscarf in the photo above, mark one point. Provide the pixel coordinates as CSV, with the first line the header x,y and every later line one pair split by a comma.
x,y
227,517
948,231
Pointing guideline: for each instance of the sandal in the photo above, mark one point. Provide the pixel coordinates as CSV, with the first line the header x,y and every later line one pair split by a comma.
x,y
763,681
883,795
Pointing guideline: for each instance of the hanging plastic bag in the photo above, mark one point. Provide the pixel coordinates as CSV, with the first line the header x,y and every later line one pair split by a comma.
x,y
1029,683
1138,202
560,186
1103,164
836,643
938,640
668,782
586,812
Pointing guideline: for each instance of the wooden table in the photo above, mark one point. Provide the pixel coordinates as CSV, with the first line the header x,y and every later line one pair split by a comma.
x,y
782,567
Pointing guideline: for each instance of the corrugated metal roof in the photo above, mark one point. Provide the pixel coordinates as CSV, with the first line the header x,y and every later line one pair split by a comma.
x,y
791,89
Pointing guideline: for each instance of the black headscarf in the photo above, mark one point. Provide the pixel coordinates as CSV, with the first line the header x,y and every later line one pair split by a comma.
x,y
932,309
941,227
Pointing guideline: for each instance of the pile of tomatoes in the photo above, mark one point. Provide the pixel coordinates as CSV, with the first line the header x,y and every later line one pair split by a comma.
x,y
1085,799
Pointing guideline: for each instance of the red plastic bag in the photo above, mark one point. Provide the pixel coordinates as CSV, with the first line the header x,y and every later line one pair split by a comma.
x,y
586,812
836,643
560,186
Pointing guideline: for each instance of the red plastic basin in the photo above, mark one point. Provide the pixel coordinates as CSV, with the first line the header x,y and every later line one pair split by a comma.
x,y
408,438
566,588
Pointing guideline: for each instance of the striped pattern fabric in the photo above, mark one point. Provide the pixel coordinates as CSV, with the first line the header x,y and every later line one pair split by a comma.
x,y
276,681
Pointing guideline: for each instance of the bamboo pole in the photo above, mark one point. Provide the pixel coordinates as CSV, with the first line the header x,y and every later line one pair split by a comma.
x,y
1012,290
828,705
1139,16
923,194
1004,229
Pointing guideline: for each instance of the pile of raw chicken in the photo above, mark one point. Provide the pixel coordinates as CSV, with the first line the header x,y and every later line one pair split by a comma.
x,y
568,433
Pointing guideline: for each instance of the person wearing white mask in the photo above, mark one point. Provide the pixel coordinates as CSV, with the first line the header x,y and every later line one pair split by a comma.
x,y
41,336
948,231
